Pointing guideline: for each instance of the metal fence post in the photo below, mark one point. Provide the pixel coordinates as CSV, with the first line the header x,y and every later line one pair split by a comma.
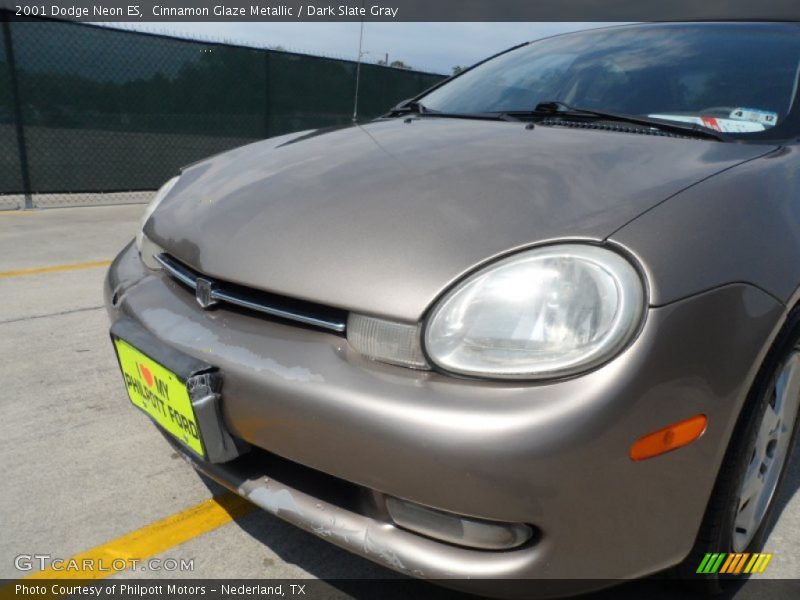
x,y
15,98
358,70
267,93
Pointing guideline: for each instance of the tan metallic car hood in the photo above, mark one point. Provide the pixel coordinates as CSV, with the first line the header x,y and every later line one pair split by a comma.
x,y
382,218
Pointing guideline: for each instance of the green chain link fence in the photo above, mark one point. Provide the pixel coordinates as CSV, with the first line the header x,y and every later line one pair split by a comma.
x,y
86,109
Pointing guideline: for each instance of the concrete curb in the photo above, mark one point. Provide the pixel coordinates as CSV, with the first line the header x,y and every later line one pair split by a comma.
x,y
12,202
17,201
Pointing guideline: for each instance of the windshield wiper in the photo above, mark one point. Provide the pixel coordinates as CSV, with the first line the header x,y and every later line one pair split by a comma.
x,y
417,108
562,109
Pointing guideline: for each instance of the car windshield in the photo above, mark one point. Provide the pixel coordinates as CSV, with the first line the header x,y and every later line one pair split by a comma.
x,y
737,78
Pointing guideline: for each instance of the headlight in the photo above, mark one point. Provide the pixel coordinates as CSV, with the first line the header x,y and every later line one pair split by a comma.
x,y
147,248
547,312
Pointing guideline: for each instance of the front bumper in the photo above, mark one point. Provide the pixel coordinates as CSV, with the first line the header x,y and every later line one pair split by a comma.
x,y
553,455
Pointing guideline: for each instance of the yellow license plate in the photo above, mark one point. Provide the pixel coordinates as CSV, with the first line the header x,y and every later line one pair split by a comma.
x,y
160,393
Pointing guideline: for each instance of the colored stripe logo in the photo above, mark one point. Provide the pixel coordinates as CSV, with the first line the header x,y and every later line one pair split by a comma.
x,y
734,563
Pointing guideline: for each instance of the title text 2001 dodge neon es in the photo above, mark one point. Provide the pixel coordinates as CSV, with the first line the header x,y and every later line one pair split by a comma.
x,y
538,322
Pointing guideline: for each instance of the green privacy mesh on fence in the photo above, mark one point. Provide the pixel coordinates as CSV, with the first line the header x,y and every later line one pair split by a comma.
x,y
107,110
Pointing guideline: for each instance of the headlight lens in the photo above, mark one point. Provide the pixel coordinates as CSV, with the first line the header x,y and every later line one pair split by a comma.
x,y
147,248
547,312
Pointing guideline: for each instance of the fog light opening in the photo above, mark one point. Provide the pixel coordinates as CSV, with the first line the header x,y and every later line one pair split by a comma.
x,y
457,529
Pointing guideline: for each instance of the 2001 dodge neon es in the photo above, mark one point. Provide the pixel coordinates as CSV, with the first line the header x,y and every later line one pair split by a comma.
x,y
540,321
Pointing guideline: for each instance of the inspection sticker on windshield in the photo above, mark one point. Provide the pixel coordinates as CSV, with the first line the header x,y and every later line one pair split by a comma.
x,y
765,117
716,123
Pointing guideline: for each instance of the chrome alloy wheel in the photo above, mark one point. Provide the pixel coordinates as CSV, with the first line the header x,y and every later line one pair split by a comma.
x,y
769,453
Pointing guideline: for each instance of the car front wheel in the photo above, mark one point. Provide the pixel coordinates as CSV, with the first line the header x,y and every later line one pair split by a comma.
x,y
741,507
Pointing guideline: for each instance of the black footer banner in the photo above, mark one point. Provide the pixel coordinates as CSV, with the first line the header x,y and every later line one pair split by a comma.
x,y
653,588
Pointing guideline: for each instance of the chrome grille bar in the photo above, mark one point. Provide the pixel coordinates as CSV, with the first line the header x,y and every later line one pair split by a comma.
x,y
228,293
222,296
180,273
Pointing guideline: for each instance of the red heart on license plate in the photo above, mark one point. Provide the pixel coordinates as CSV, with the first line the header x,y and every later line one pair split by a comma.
x,y
148,376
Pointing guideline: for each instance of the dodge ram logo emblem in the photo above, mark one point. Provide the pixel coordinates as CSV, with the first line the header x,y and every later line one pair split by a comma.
x,y
204,293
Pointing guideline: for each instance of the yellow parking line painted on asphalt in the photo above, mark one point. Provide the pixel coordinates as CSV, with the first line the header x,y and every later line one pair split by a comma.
x,y
152,539
55,268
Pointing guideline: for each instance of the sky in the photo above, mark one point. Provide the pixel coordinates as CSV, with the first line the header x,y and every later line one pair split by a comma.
x,y
434,47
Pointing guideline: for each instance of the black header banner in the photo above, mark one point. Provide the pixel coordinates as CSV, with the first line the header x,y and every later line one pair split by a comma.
x,y
406,10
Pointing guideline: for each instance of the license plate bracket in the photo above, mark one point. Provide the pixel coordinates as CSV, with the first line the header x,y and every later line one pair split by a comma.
x,y
180,393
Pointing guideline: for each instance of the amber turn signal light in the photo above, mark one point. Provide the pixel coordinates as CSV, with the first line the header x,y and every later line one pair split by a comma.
x,y
669,438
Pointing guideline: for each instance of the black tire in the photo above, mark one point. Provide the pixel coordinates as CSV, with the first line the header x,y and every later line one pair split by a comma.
x,y
716,530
